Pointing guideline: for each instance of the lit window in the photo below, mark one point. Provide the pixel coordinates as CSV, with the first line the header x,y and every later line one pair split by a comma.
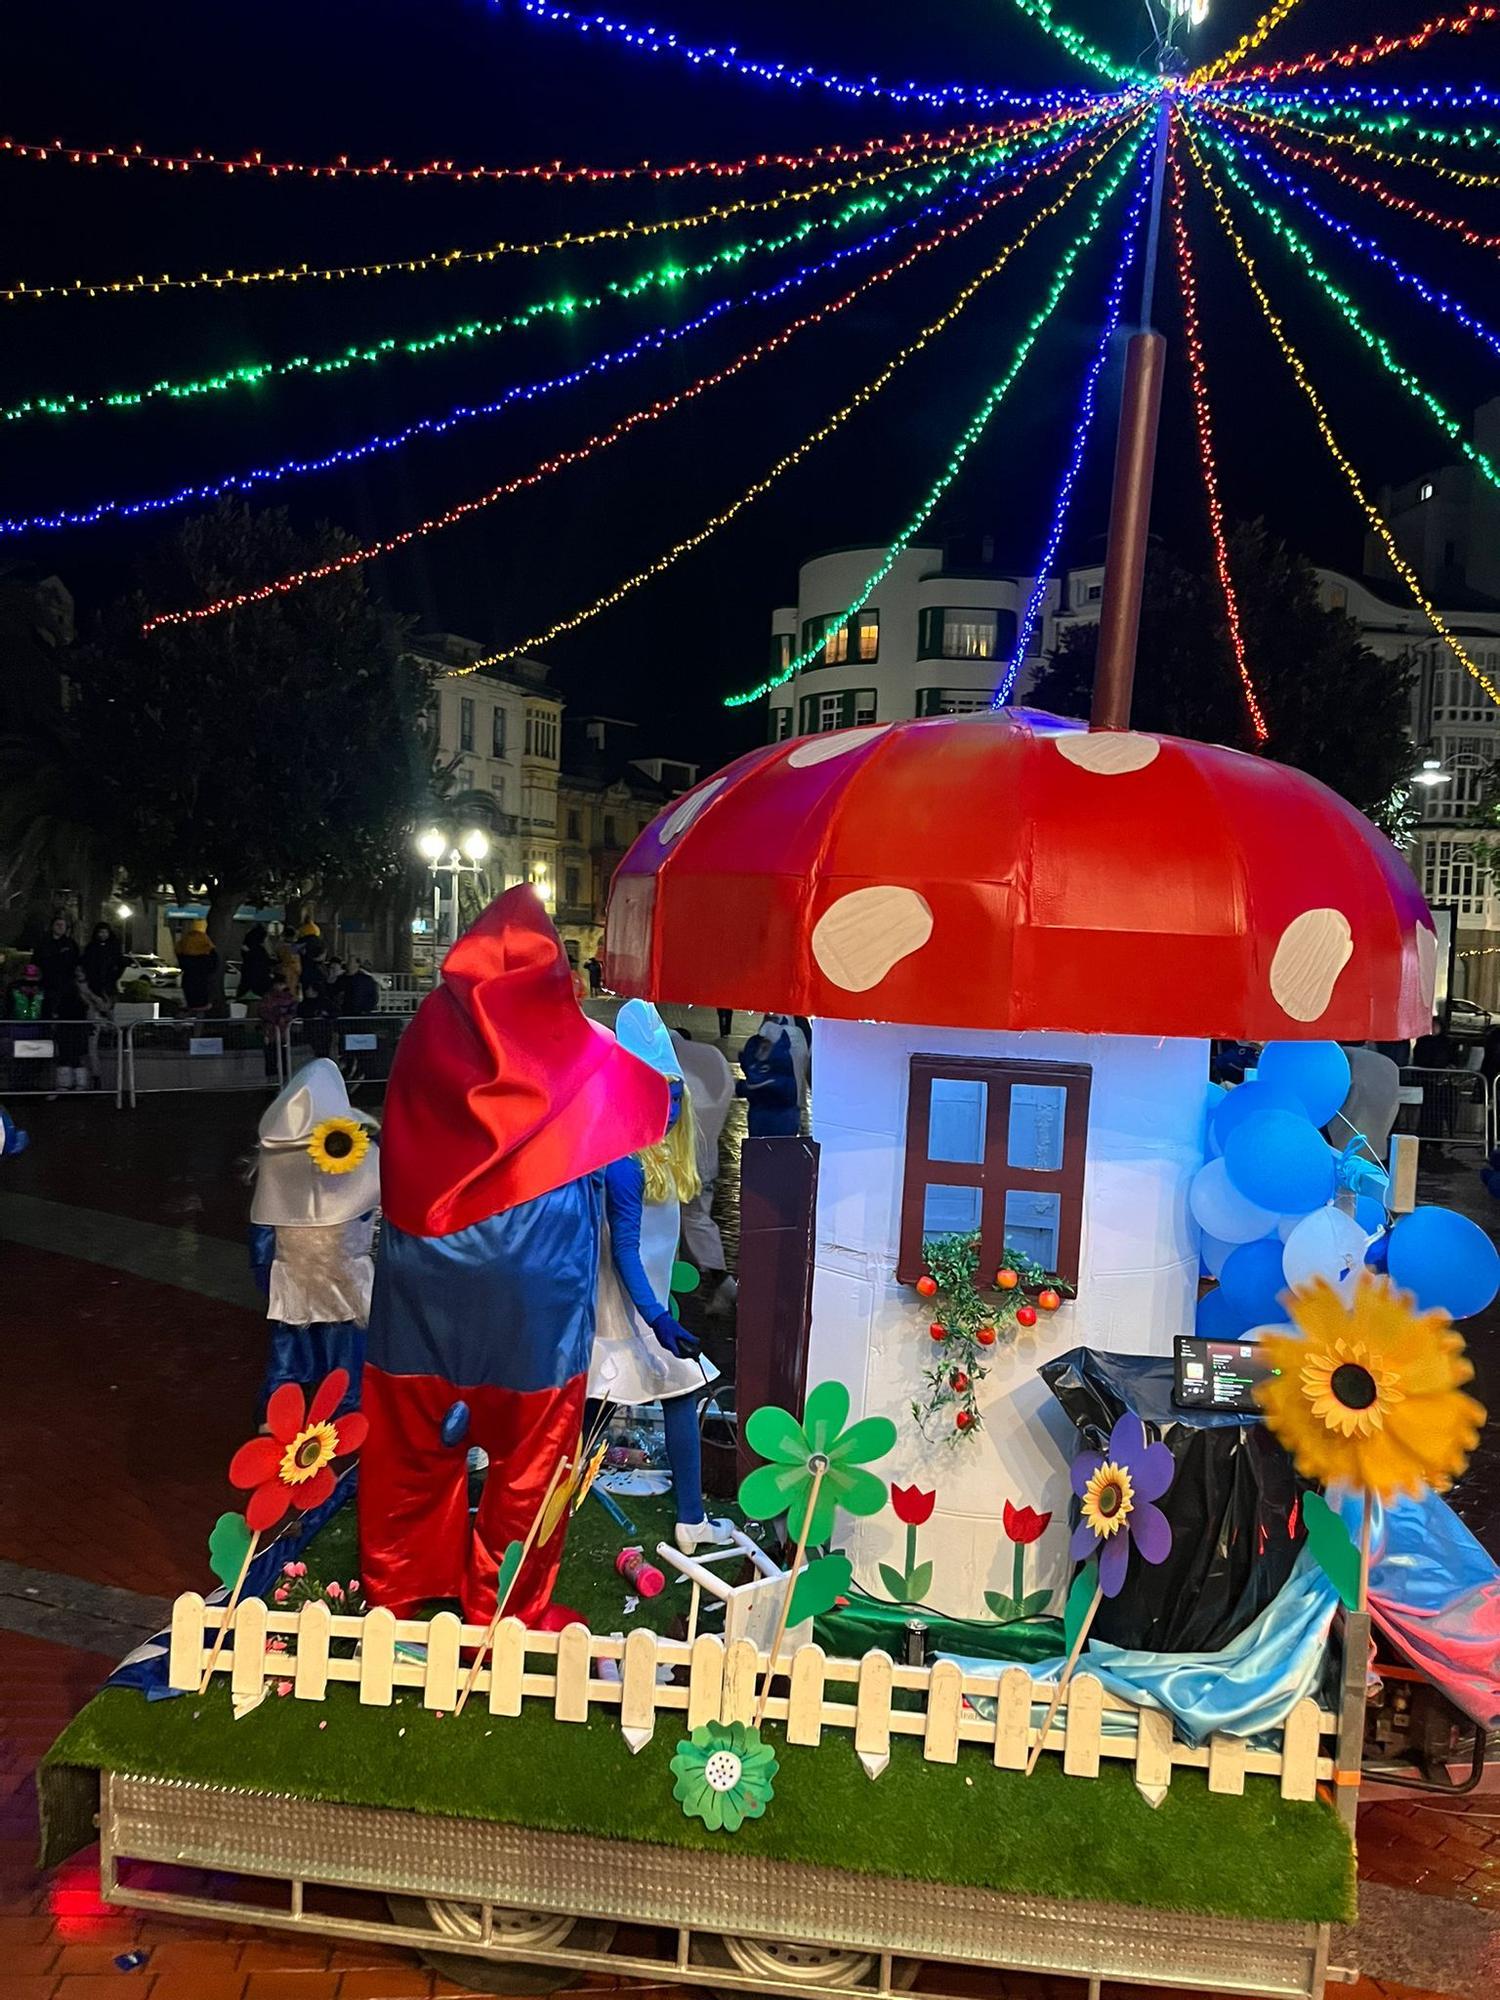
x,y
958,633
781,652
1424,491
840,641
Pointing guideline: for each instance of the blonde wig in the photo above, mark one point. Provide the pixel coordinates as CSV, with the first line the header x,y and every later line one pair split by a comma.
x,y
671,1165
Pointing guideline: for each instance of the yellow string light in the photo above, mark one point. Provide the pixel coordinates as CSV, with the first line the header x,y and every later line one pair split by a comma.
x,y
761,486
1293,360
446,260
1249,41
1320,136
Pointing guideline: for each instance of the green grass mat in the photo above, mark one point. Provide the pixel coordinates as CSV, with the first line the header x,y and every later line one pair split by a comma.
x,y
1255,1856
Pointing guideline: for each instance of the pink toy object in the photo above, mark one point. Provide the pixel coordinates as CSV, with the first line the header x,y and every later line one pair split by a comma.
x,y
644,1577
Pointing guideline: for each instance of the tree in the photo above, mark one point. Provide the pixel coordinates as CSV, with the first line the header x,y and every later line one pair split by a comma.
x,y
1334,709
250,755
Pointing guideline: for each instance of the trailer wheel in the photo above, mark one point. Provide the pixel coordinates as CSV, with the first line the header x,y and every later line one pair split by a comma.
x,y
838,1967
521,1928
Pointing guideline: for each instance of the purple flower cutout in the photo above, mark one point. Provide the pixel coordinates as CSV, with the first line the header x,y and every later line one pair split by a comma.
x,y
1115,1492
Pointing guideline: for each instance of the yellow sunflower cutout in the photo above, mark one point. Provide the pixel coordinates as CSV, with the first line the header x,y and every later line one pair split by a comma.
x,y
338,1145
1371,1397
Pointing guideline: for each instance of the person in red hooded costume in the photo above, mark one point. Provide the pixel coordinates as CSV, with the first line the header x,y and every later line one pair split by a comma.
x,y
504,1105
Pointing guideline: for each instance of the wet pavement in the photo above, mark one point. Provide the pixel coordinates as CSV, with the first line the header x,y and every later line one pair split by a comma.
x,y
133,1350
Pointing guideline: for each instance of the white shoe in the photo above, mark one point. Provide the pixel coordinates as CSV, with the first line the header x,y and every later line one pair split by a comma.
x,y
704,1534
64,1076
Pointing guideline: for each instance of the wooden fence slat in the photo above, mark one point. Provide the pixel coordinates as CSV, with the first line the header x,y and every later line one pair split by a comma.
x,y
507,1667
872,1721
571,1702
440,1689
1085,1702
314,1623
705,1680
945,1701
1153,1754
1299,1752
741,1664
638,1688
377,1658
185,1655
1013,1719
248,1674
804,1712
1226,1763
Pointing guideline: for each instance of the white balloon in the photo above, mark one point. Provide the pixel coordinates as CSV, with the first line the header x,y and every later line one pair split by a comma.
x,y
1326,1244
1221,1210
1288,1223
1215,1253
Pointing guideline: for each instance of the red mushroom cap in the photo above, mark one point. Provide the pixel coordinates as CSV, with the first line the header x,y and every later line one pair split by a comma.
x,y
1012,870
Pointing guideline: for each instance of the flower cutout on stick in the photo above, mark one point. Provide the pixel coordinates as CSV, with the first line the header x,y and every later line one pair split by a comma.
x,y
293,1467
338,1145
1117,1491
724,1775
1371,1397
819,1453
912,1508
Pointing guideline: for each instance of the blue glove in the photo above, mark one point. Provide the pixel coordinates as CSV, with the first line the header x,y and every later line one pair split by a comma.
x,y
674,1338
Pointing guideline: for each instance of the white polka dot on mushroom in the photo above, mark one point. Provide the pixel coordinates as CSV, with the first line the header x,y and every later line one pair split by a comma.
x,y
1310,954
823,749
1427,952
859,938
681,818
1108,753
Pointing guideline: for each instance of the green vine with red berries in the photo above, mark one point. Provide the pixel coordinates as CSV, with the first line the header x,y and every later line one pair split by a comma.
x,y
969,1322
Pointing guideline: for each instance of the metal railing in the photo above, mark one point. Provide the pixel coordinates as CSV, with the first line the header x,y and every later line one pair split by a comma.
x,y
1457,1111
47,1059
189,1053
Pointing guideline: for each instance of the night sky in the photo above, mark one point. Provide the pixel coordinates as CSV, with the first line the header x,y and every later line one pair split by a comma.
x,y
476,82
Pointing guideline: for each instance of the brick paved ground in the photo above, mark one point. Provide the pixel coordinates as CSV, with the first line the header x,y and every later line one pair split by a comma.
x,y
122,1401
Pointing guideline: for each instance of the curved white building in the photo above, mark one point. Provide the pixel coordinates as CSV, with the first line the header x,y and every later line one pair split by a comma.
x,y
934,639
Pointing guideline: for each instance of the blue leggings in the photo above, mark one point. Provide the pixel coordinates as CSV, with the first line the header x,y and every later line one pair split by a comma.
x,y
684,1451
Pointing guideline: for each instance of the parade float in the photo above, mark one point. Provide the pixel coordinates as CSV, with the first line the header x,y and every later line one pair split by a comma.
x,y
1011,1050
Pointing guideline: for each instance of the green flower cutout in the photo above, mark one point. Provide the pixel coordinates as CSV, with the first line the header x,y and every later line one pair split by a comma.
x,y
724,1775
785,1485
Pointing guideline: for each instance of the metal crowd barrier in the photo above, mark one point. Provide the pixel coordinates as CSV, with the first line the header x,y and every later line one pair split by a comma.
x,y
1457,1110
36,1055
185,1052
363,1045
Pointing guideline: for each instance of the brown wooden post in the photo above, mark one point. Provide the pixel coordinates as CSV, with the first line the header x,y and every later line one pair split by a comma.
x,y
1129,522
773,1311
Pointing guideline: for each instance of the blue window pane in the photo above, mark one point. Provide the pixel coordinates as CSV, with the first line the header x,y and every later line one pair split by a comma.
x,y
1031,1225
955,1123
950,1211
1035,1138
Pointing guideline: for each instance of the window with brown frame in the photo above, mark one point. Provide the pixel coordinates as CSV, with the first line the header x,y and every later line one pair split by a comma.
x,y
995,1148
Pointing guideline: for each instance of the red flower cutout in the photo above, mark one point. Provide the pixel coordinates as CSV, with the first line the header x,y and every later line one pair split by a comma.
x,y
912,1505
1025,1524
293,1467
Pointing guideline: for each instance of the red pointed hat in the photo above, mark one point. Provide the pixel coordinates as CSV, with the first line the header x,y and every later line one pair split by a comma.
x,y
502,1088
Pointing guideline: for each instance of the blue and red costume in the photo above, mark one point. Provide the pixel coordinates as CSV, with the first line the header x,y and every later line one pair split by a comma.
x,y
505,1104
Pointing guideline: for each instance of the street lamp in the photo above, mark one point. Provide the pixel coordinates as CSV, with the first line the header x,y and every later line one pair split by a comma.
x,y
430,846
450,860
476,845
1432,773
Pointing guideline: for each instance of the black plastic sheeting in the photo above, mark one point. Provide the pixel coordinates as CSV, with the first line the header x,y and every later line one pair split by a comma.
x,y
1234,1505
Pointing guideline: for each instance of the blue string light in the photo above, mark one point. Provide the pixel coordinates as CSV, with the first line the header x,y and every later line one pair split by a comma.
x,y
659,41
652,341
1086,409
1444,96
1368,246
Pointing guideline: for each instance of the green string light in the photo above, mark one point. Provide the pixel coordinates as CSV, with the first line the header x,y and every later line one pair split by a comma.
x,y
1349,312
1390,124
252,374
1078,45
968,438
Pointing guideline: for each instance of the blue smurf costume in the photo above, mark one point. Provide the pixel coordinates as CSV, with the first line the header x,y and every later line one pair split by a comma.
x,y
641,1353
312,1223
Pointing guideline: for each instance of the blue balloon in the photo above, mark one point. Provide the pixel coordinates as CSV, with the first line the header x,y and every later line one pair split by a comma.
x,y
1278,1160
1377,1253
1252,1279
1243,1102
1369,1213
1316,1074
1219,1318
1446,1260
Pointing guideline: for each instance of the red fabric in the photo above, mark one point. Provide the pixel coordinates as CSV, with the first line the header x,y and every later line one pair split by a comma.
x,y
415,1538
502,1089
1146,902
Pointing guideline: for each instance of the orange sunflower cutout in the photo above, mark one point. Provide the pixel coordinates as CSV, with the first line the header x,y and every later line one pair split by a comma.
x,y
1371,1397
293,1467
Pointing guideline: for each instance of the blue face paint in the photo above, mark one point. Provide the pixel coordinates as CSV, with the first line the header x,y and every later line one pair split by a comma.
x,y
674,1085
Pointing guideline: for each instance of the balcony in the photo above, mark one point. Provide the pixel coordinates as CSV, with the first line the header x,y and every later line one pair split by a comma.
x,y
577,913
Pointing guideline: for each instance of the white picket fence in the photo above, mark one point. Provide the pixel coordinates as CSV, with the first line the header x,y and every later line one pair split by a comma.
x,y
564,1669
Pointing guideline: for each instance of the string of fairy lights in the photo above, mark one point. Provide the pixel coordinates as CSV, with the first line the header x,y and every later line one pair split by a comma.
x,y
1296,147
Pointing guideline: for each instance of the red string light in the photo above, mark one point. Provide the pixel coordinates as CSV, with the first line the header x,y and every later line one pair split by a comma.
x,y
650,413
343,168
1368,52
1198,379
1402,203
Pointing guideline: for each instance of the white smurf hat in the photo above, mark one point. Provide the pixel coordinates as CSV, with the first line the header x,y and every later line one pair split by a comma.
x,y
316,1161
641,1030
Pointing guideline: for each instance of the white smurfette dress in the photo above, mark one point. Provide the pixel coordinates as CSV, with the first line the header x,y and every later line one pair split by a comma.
x,y
629,1364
